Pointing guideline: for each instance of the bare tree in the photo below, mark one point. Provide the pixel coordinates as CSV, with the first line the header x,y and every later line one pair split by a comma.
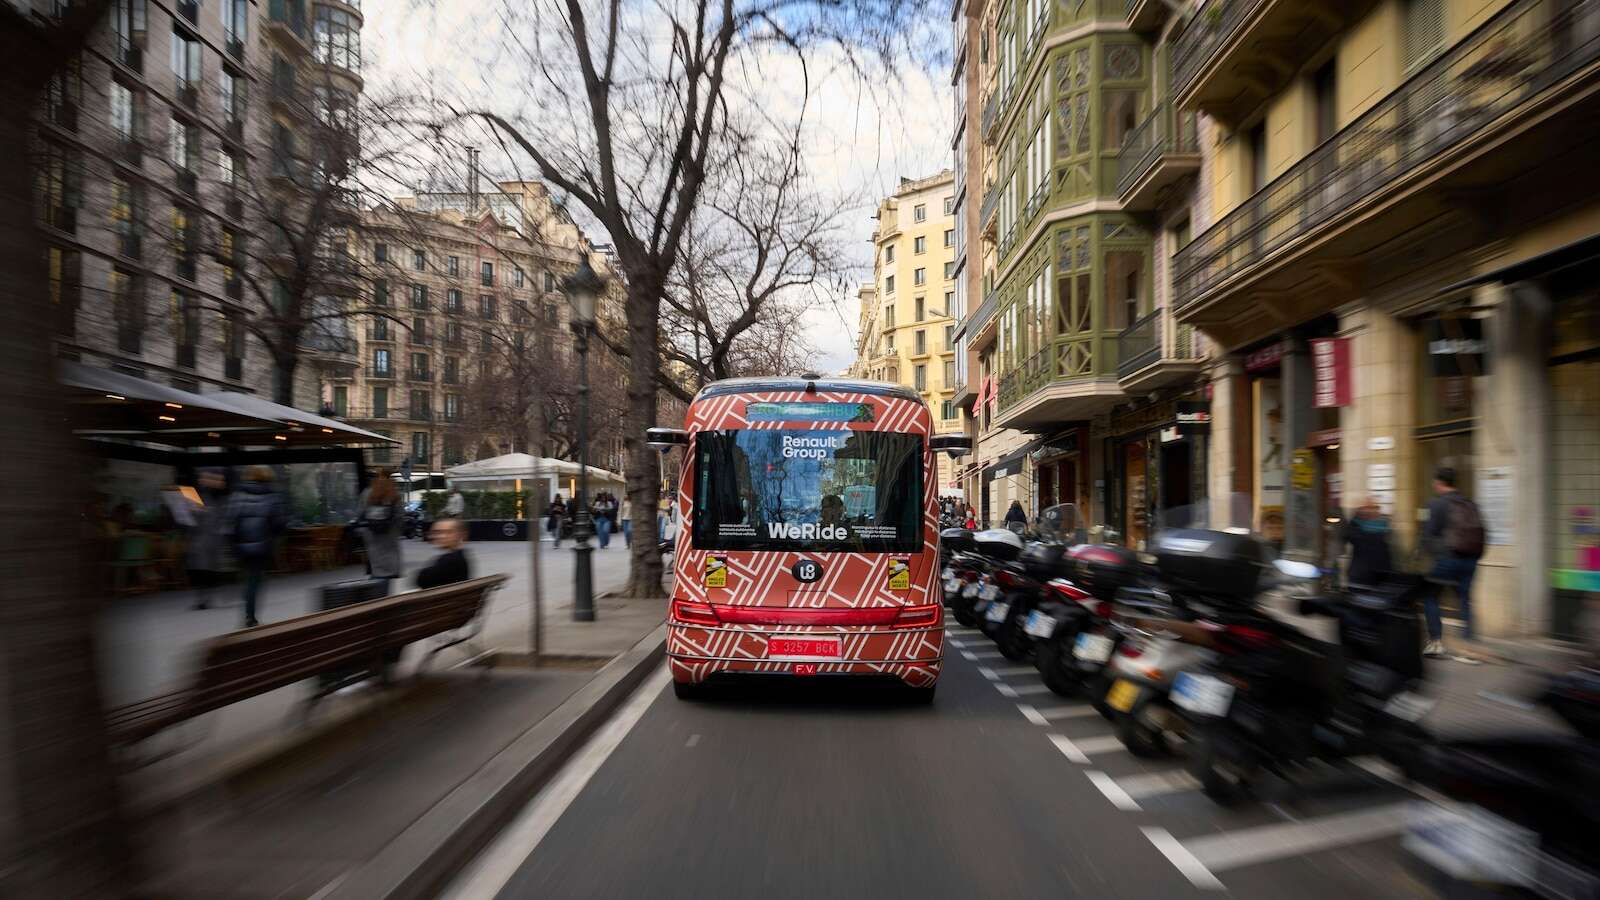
x,y
60,828
628,105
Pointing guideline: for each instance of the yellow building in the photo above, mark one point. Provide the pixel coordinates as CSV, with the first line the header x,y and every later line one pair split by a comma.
x,y
906,329
1399,269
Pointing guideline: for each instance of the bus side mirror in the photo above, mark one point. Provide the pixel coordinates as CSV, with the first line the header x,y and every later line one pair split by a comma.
x,y
666,438
953,444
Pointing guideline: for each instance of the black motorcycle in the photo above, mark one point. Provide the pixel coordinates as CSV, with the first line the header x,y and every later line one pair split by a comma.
x,y
1276,696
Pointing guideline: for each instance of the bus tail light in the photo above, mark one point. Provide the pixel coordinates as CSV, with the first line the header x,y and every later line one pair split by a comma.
x,y
688,612
920,616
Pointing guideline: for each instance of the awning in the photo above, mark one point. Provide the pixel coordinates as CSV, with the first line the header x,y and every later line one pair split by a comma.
x,y
111,404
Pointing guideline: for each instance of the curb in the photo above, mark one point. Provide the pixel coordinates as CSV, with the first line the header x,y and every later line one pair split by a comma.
x,y
420,861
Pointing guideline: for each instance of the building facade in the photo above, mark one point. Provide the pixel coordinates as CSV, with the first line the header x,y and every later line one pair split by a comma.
x,y
471,313
145,141
1399,269
906,332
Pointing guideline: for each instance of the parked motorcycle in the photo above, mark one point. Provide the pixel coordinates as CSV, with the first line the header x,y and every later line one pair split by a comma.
x,y
1275,695
1074,632
1152,654
1527,813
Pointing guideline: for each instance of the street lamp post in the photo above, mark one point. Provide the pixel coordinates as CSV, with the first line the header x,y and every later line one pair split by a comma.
x,y
583,289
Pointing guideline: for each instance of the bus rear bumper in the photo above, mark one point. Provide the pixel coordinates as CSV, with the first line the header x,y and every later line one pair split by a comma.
x,y
914,656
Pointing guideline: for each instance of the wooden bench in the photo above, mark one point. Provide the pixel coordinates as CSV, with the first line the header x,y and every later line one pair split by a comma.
x,y
351,642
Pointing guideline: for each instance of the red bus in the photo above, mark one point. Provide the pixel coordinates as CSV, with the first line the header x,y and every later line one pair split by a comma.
x,y
809,542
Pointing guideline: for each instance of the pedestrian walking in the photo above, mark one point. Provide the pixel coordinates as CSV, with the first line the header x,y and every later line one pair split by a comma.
x,y
452,564
455,506
379,520
1016,517
971,523
601,512
1366,530
256,518
1453,537
205,556
625,516
555,517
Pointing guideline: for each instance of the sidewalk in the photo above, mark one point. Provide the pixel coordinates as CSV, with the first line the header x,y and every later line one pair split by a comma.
x,y
149,643
1497,696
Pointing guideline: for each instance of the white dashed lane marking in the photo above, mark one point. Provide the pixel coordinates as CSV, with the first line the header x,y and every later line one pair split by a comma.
x,y
1156,784
1007,690
1031,714
1113,791
1067,712
1069,749
989,673
1018,671
969,656
1180,857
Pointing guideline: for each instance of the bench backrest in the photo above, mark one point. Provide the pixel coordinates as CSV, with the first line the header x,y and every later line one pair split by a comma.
x,y
246,663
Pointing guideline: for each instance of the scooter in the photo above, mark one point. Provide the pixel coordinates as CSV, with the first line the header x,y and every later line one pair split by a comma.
x,y
1276,697
1526,814
1151,656
1074,635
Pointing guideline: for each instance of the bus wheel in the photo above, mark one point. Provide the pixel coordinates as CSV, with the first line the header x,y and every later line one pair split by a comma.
x,y
683,690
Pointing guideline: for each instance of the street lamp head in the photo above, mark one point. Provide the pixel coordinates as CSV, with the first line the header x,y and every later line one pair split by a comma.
x,y
583,289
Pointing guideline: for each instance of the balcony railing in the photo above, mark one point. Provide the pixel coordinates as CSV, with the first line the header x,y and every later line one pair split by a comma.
x,y
130,246
1215,23
420,377
1082,355
189,9
1165,132
129,53
1139,345
991,202
234,43
1521,51
385,374
289,13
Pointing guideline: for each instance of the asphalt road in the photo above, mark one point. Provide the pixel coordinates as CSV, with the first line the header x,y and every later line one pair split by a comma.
x,y
999,789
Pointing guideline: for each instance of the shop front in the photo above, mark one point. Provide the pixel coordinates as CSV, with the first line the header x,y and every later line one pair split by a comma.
x,y
1155,458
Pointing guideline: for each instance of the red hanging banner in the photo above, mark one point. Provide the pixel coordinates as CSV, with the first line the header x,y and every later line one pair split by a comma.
x,y
1330,367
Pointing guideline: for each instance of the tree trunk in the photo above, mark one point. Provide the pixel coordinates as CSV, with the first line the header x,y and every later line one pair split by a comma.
x,y
283,378
61,832
644,463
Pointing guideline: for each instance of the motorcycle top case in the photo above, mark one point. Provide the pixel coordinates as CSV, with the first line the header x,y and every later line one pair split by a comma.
x,y
1219,564
1379,624
1045,560
998,543
957,540
1103,570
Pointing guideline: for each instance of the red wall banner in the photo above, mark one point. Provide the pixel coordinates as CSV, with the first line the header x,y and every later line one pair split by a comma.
x,y
1330,367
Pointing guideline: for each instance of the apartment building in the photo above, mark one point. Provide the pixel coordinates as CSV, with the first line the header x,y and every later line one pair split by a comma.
x,y
1399,268
145,141
467,291
907,329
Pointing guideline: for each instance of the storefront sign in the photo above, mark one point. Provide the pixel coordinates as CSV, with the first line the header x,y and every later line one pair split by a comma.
x,y
1456,347
1170,434
1383,442
1193,417
1330,367
1495,496
1266,358
1381,474
1057,446
1327,437
1144,418
1303,472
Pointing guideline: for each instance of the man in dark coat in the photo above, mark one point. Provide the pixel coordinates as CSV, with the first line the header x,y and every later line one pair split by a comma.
x,y
452,565
256,518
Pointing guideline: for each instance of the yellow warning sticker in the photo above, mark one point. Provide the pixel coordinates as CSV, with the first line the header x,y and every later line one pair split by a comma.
x,y
899,575
716,571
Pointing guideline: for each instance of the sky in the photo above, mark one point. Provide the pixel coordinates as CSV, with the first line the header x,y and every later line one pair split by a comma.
x,y
861,137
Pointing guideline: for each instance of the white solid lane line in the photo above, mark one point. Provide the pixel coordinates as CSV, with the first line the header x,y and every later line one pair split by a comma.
x,y
1155,784
1264,843
1113,791
1185,862
488,874
1069,749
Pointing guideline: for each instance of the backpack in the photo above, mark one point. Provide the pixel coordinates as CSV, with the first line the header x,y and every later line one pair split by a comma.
x,y
1463,528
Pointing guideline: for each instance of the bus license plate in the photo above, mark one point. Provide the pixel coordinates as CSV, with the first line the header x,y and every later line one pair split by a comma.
x,y
1095,648
998,612
803,648
1040,625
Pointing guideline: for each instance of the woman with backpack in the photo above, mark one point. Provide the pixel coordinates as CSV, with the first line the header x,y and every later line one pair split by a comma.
x,y
255,519
379,520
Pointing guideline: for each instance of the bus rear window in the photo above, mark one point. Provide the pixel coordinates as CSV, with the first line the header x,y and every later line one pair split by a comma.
x,y
808,491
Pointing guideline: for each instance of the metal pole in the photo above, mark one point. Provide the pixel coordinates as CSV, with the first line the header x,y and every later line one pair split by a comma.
x,y
536,590
583,596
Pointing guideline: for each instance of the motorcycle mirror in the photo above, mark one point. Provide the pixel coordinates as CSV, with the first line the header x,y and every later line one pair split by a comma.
x,y
1294,569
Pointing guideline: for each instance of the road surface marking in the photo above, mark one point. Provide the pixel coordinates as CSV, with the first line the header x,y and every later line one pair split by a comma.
x,y
1069,749
1031,714
1007,690
969,656
1185,862
1068,712
489,873
988,673
1155,784
988,654
1099,743
693,739
1014,672
1264,843
1113,791
962,631
955,643
1395,777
